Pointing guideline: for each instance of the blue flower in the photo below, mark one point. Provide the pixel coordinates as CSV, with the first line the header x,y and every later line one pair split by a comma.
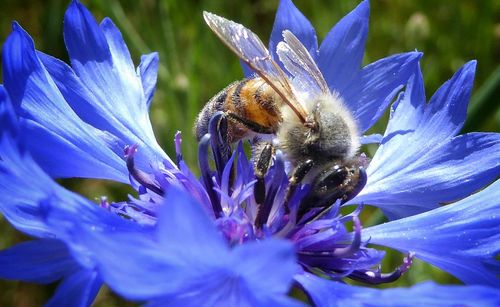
x,y
203,242
422,162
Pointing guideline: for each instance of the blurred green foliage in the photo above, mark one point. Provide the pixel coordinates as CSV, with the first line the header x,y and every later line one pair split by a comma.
x,y
195,65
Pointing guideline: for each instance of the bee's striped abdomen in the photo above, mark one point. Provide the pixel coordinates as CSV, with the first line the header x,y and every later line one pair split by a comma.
x,y
251,100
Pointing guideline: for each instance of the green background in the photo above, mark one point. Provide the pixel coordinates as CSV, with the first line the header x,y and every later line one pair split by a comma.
x,y
194,65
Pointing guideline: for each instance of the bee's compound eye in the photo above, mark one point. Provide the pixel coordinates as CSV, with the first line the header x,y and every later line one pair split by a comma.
x,y
358,182
331,179
327,187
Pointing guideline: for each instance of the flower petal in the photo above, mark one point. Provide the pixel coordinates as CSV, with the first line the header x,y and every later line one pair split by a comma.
x,y
288,17
117,48
342,50
443,117
270,252
101,60
197,236
447,109
462,239
31,212
371,139
93,59
148,70
18,174
373,88
418,165
52,130
324,292
446,173
244,281
85,105
227,300
78,289
186,259
40,261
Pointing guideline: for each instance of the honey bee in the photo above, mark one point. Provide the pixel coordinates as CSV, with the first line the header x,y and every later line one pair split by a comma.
x,y
307,122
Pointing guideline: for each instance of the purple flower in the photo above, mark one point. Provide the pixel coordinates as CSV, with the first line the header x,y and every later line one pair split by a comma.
x,y
204,241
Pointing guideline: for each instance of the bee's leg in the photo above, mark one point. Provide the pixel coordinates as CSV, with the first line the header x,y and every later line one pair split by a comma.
x,y
262,153
221,147
298,174
251,125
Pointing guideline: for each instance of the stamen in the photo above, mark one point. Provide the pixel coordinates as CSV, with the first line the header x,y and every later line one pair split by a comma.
x,y
178,148
341,251
104,202
206,174
220,147
355,244
140,176
277,179
375,277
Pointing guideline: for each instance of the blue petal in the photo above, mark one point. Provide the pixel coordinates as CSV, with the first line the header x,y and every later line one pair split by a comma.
x,y
443,174
288,17
41,261
462,239
118,49
101,60
281,301
52,131
448,106
254,260
91,111
371,139
79,290
198,238
131,263
419,165
187,259
330,293
148,70
443,117
18,174
341,52
28,211
153,263
245,281
77,96
105,68
9,123
373,88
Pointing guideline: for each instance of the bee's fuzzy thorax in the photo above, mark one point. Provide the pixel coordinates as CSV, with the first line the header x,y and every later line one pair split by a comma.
x,y
330,132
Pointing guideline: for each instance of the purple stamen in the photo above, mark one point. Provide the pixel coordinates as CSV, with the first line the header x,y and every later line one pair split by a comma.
x,y
141,177
178,148
206,174
104,202
220,148
341,252
275,183
375,277
355,244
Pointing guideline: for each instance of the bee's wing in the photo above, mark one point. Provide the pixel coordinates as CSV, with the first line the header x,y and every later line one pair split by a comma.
x,y
297,60
252,51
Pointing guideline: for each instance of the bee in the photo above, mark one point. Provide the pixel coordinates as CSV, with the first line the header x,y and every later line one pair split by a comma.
x,y
310,124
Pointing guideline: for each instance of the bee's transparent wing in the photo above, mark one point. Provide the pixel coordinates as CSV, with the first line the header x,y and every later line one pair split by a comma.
x,y
298,62
252,51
